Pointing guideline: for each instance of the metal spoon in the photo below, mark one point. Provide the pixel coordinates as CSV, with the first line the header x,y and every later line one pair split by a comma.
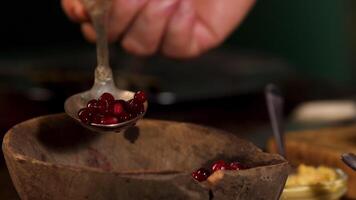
x,y
275,109
104,81
350,160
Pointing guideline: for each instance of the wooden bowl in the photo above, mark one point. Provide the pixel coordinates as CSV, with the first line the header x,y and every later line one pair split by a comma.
x,y
53,157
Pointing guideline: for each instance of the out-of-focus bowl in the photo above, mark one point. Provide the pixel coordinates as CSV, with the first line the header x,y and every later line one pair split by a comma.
x,y
333,190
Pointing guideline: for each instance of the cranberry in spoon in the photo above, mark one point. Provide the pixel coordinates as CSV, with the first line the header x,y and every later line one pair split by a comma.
x,y
107,110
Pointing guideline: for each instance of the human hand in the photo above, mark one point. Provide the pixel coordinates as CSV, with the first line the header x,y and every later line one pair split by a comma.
x,y
176,28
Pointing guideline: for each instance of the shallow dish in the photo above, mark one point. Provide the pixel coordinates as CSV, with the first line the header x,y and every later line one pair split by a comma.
x,y
329,191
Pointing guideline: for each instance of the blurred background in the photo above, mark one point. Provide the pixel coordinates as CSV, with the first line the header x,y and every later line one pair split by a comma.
x,y
305,47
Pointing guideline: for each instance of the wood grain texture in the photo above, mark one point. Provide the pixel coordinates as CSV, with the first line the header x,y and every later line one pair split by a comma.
x,y
53,157
322,147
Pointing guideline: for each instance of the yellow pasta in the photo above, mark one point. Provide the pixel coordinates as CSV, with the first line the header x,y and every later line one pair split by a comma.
x,y
308,175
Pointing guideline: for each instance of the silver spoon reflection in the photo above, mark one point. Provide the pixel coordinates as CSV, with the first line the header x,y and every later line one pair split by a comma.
x,y
275,109
350,160
104,82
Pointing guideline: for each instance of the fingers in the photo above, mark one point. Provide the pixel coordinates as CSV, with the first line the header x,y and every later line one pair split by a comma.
x,y
75,10
179,28
178,41
122,14
187,36
228,14
145,35
88,32
192,32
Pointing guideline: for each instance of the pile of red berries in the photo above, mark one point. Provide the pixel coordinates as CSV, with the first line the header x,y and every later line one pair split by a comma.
x,y
106,110
202,174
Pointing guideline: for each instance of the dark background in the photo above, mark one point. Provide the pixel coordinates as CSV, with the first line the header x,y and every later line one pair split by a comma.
x,y
306,47
311,35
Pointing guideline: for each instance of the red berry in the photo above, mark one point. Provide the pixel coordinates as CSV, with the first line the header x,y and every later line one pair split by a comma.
x,y
140,97
201,174
107,97
125,116
118,107
98,118
97,106
219,165
235,166
109,120
85,115
103,106
107,110
92,103
134,107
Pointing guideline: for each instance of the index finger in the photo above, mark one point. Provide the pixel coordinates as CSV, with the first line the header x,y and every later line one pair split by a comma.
x,y
75,10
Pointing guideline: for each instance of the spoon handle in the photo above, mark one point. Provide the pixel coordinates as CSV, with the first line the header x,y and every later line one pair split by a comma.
x,y
350,160
99,13
275,104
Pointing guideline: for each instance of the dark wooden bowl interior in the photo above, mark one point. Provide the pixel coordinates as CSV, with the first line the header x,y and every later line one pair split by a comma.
x,y
151,146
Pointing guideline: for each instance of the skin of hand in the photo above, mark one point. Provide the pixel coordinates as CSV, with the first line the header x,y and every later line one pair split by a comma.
x,y
175,28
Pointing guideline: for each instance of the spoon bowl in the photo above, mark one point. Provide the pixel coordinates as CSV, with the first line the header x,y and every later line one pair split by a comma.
x,y
78,101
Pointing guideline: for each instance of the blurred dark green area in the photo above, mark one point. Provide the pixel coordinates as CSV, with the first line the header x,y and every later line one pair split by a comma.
x,y
316,37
